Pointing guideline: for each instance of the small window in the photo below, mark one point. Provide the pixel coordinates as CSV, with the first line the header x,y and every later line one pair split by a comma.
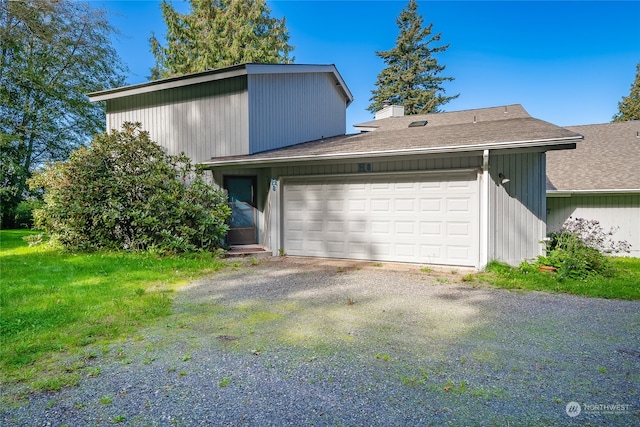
x,y
418,124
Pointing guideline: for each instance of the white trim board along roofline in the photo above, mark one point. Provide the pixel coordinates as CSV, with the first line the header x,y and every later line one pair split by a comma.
x,y
552,144
220,74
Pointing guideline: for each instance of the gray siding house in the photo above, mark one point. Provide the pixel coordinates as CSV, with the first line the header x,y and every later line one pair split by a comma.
x,y
600,180
458,188
236,110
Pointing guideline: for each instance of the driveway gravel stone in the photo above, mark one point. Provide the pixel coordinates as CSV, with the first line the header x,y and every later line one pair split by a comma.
x,y
291,341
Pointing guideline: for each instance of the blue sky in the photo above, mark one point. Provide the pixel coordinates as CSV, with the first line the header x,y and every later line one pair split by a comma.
x,y
568,63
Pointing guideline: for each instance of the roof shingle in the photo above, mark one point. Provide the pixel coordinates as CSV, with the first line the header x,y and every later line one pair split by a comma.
x,y
444,132
607,159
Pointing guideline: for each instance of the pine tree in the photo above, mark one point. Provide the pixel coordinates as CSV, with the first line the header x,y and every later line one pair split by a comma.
x,y
219,33
412,74
629,107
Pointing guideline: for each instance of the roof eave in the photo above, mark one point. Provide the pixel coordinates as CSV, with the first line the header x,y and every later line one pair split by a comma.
x,y
556,144
219,74
569,193
169,83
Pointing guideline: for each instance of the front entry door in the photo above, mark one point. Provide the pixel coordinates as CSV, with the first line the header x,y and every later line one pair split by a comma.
x,y
243,201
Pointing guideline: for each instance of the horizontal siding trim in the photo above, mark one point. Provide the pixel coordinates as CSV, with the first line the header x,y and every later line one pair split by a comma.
x,y
382,174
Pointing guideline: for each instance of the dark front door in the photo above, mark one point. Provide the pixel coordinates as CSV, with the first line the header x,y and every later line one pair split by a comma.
x,y
243,201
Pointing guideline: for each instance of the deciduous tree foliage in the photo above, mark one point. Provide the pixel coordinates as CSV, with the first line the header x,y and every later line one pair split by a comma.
x,y
412,74
124,192
219,33
629,107
51,54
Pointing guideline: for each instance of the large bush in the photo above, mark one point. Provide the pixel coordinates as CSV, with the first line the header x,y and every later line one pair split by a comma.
x,y
578,249
124,192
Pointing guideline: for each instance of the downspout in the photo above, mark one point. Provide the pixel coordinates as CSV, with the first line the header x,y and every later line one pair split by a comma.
x,y
484,211
276,224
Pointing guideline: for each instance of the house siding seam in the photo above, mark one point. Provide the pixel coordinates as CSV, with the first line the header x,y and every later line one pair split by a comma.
x,y
287,109
517,208
203,121
620,211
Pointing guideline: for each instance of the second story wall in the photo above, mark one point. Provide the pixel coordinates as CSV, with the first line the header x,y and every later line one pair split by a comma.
x,y
238,110
292,108
204,120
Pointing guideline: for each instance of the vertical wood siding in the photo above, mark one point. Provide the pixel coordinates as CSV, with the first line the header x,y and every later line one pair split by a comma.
x,y
204,120
286,109
517,209
621,211
381,166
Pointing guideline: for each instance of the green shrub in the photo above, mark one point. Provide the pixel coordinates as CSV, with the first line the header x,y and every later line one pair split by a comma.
x,y
578,250
124,192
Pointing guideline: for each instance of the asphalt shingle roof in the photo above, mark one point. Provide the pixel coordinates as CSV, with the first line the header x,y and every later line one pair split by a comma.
x,y
446,132
607,159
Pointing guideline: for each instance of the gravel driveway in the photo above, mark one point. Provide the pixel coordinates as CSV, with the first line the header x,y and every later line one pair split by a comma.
x,y
293,342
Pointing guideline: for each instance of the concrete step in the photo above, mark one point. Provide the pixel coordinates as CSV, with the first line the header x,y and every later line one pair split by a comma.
x,y
255,251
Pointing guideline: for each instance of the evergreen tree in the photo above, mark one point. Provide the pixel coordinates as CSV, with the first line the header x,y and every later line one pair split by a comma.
x,y
52,53
412,74
219,33
629,107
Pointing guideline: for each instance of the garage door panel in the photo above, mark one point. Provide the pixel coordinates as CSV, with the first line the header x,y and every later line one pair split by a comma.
x,y
405,250
335,206
357,226
380,187
404,205
457,252
405,227
315,244
431,229
357,205
295,206
459,229
358,187
431,185
380,205
335,247
406,187
458,184
379,250
456,205
314,205
314,225
381,228
335,226
425,219
294,245
357,250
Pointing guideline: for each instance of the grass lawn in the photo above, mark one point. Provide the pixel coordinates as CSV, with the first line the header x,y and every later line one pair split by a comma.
x,y
57,307
625,283
54,304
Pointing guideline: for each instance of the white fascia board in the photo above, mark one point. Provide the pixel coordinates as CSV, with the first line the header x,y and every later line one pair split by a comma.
x,y
569,193
220,74
569,141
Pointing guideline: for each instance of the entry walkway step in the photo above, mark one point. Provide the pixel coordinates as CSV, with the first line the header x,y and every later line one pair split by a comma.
x,y
247,251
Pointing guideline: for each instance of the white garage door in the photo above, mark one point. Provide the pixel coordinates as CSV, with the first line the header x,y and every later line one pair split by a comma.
x,y
419,218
